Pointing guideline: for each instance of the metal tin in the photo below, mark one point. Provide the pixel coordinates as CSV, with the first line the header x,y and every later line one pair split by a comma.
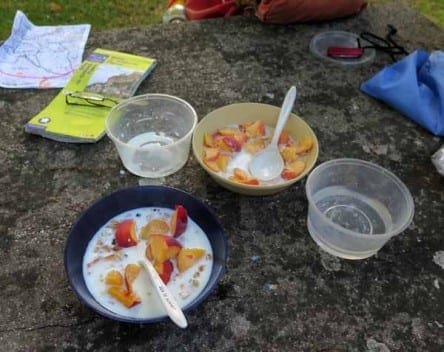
x,y
175,12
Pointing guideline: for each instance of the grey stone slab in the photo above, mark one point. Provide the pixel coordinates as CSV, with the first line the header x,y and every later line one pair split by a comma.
x,y
281,292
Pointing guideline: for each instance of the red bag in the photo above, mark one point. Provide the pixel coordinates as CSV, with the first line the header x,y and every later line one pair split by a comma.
x,y
290,11
201,9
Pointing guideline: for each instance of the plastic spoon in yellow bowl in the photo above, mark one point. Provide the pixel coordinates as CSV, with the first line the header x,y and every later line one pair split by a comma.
x,y
268,163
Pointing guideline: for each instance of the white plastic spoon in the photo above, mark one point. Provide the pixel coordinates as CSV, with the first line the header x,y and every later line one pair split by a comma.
x,y
268,163
172,308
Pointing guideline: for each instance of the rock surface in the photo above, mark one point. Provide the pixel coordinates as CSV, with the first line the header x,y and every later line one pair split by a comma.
x,y
281,292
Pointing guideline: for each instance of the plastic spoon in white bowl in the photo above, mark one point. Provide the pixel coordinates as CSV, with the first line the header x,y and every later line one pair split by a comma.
x,y
172,308
268,163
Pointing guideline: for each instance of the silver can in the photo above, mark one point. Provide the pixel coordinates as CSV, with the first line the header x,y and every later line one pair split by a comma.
x,y
175,13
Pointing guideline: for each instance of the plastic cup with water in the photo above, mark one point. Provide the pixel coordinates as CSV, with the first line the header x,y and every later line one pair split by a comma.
x,y
152,133
355,207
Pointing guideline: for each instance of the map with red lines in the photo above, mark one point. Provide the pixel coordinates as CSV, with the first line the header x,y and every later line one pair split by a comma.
x,y
41,56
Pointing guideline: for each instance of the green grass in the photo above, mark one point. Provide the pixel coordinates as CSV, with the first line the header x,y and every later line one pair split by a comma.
x,y
103,14
433,9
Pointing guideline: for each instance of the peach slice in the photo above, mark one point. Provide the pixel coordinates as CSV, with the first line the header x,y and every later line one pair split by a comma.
x,y
179,221
188,257
162,248
243,126
288,174
253,146
293,170
154,227
256,129
164,270
126,233
219,142
235,179
227,132
222,162
289,153
114,278
284,138
251,181
297,166
131,273
304,145
209,140
128,299
240,176
241,138
232,143
212,165
211,154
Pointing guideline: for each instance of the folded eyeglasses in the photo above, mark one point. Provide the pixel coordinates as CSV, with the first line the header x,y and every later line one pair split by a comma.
x,y
89,99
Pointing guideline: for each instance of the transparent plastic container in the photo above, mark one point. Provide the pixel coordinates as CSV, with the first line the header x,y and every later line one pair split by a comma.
x,y
322,41
152,133
355,207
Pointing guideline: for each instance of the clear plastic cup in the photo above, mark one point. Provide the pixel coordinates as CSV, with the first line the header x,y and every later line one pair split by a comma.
x,y
152,133
355,207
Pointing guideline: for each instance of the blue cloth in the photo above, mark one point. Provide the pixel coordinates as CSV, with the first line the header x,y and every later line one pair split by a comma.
x,y
415,87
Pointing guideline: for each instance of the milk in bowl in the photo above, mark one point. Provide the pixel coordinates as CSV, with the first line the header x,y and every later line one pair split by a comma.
x,y
178,248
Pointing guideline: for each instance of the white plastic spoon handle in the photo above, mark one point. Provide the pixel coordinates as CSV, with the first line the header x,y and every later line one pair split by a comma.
x,y
172,308
283,115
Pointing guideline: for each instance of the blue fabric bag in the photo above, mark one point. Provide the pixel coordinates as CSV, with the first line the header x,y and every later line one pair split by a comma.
x,y
415,87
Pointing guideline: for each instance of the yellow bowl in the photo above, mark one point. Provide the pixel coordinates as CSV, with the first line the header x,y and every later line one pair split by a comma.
x,y
248,112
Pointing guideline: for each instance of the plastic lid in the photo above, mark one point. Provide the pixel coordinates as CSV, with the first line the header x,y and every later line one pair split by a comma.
x,y
322,41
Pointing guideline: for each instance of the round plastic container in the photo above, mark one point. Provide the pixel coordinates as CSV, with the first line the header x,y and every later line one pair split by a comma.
x,y
152,133
322,41
355,207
